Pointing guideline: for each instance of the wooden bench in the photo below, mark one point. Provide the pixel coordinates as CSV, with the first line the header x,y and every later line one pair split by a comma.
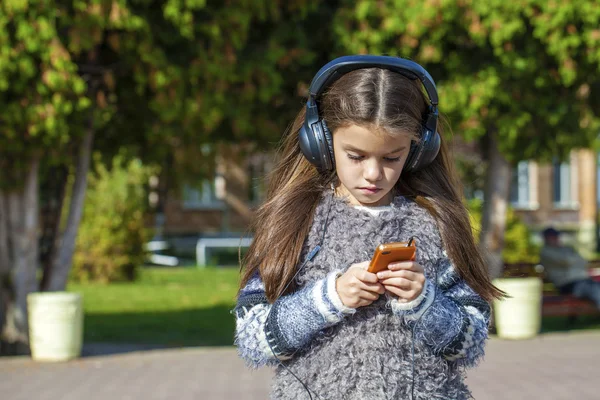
x,y
555,304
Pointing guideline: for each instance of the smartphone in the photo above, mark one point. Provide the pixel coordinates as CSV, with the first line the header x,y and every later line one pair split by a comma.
x,y
391,252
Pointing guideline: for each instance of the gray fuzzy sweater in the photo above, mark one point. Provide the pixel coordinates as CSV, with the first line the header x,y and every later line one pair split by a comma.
x,y
365,353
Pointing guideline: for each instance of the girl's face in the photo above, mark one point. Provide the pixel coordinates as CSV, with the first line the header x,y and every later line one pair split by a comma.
x,y
368,163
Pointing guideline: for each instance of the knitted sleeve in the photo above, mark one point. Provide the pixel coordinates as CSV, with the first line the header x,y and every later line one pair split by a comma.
x,y
267,332
448,316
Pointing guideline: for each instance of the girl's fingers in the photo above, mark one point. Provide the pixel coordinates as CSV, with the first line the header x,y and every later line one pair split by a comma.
x,y
403,295
410,275
401,283
362,265
376,287
369,296
389,293
364,276
406,265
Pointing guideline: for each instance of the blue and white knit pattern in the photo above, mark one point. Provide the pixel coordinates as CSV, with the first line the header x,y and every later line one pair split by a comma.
x,y
289,323
457,303
365,353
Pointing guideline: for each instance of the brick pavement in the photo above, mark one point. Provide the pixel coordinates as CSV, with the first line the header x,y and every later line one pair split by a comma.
x,y
551,367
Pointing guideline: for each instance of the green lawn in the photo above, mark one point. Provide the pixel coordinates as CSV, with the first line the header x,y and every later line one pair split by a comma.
x,y
560,324
185,307
166,306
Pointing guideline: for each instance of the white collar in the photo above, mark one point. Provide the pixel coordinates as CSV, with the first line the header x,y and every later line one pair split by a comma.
x,y
374,210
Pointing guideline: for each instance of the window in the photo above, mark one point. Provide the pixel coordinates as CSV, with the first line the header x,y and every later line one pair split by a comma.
x,y
524,186
201,195
519,188
564,184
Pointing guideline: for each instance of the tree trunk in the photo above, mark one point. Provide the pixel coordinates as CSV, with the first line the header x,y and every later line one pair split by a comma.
x,y
6,290
21,207
4,244
496,197
54,191
61,264
239,206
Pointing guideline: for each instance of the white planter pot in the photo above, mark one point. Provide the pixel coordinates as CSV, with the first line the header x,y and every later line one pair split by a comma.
x,y
520,316
55,325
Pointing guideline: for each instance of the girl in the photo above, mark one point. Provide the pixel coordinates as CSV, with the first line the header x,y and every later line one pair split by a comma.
x,y
364,165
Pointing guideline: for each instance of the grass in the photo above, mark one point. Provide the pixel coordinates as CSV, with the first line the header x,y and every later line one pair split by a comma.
x,y
186,307
165,306
560,324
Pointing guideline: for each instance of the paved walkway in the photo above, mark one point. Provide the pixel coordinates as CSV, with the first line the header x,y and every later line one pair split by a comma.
x,y
550,367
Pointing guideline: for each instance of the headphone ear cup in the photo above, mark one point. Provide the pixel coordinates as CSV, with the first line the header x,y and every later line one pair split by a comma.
x,y
316,145
329,140
432,150
414,148
423,153
308,146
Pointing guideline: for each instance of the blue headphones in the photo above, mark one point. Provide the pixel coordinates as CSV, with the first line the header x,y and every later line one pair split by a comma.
x,y
316,141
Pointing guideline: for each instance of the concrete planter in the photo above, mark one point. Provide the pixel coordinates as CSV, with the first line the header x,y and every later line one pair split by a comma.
x,y
55,325
520,316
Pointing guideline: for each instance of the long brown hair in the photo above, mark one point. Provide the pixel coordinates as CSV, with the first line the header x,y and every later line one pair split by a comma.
x,y
374,98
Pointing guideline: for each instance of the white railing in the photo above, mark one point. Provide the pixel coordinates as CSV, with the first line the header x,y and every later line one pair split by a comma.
x,y
159,259
205,243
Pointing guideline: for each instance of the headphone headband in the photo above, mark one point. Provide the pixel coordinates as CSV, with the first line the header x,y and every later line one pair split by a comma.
x,y
315,139
335,69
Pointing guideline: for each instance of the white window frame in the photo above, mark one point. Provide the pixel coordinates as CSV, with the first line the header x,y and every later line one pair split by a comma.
x,y
569,184
527,186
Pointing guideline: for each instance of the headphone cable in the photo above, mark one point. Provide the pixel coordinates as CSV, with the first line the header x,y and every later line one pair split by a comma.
x,y
309,257
412,338
313,252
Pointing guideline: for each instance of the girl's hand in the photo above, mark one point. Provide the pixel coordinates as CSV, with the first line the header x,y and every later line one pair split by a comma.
x,y
404,279
357,287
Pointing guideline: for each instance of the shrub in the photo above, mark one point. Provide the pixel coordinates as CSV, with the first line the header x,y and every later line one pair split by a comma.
x,y
110,242
518,246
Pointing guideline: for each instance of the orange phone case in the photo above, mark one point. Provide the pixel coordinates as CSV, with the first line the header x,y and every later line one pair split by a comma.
x,y
391,252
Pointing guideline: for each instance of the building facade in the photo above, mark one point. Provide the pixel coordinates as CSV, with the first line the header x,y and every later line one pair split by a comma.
x,y
561,194
220,204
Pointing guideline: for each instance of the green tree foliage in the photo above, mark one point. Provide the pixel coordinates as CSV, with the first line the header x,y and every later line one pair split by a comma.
x,y
153,79
518,245
41,93
527,69
112,234
180,74
161,75
519,77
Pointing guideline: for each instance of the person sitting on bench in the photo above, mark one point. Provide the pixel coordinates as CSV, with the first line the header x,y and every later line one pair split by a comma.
x,y
566,269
